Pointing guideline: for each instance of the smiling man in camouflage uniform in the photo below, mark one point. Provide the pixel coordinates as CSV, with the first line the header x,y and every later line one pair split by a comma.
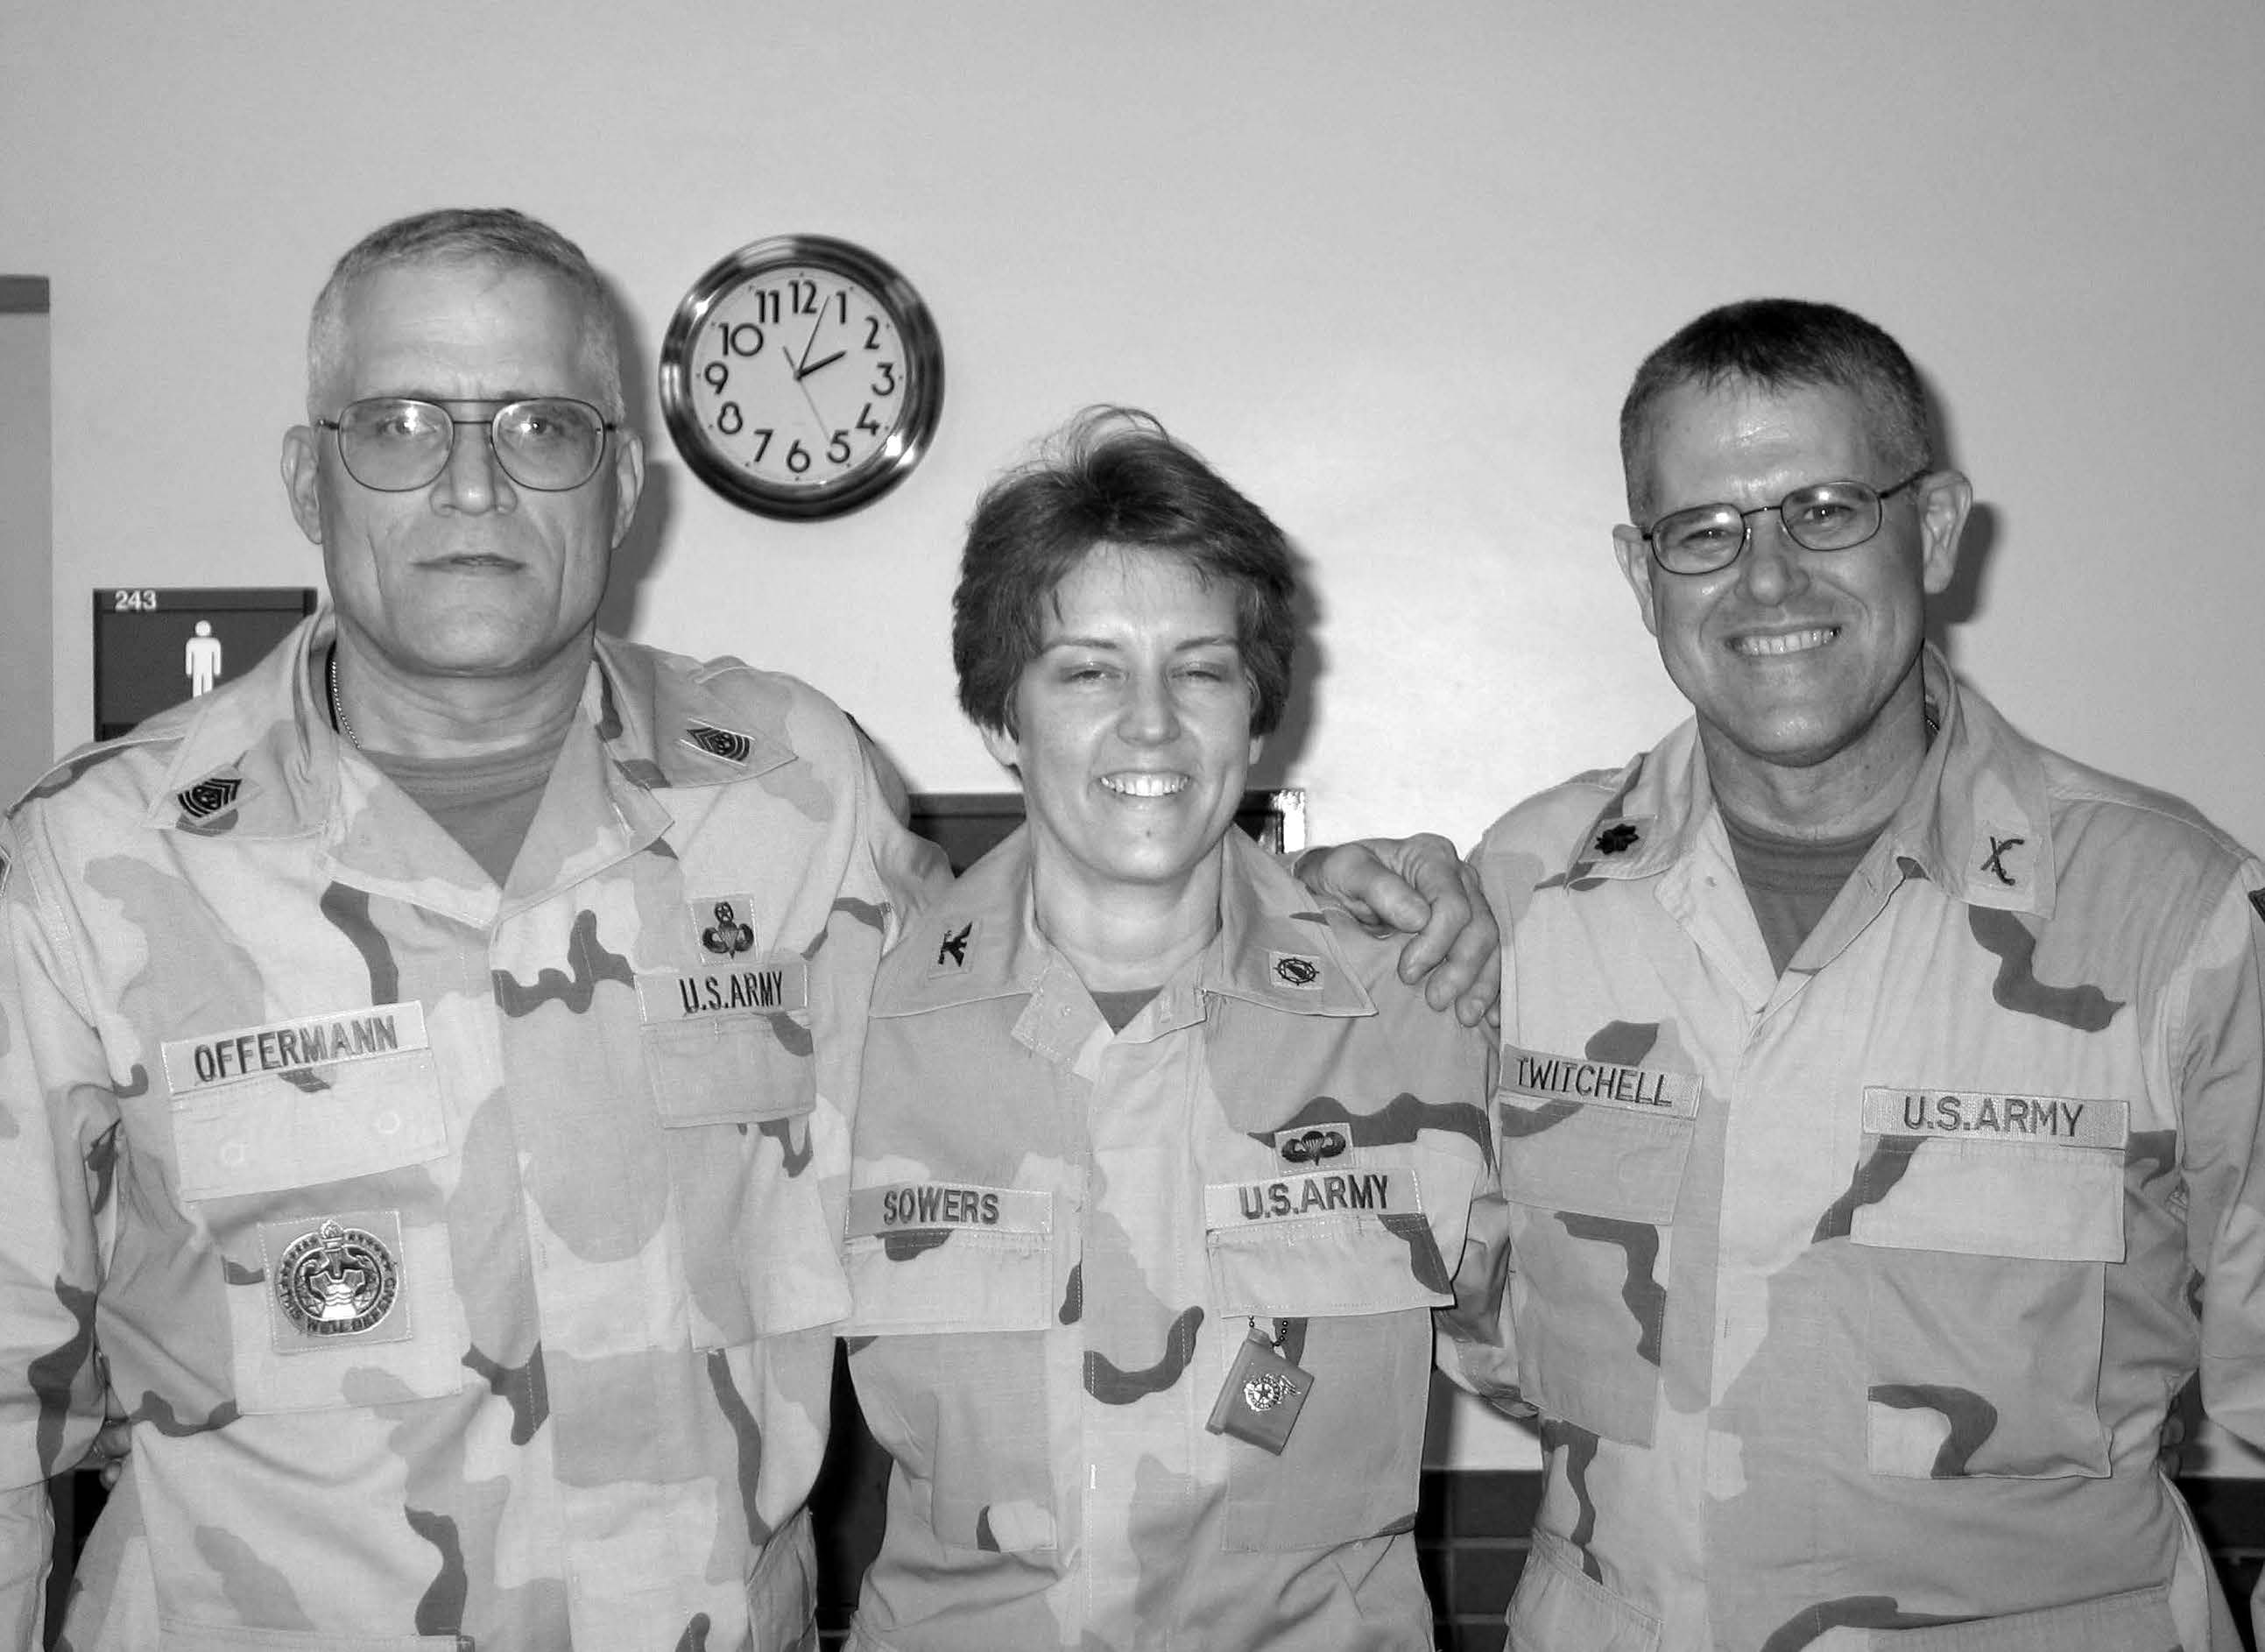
x,y
426,1060
1880,1091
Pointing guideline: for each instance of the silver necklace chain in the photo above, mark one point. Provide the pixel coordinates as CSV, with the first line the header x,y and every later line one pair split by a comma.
x,y
339,720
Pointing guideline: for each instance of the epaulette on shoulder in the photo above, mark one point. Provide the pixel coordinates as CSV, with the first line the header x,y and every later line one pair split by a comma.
x,y
74,765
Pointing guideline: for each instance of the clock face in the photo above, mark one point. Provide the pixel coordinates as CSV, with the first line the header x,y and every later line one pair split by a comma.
x,y
801,377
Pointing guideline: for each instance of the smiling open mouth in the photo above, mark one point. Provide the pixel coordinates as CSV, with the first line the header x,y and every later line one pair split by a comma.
x,y
1143,785
1785,642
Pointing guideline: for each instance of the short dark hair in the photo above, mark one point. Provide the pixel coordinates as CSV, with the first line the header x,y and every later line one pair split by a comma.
x,y
1778,344
1113,477
500,236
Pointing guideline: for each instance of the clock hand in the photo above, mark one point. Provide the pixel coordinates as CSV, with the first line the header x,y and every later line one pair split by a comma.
x,y
809,367
810,342
808,400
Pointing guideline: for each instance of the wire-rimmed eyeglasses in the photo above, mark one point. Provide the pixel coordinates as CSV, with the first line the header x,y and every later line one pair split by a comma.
x,y
397,444
1823,516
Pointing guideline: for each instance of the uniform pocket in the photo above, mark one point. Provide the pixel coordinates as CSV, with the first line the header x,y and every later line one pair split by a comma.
x,y
782,1588
1560,1608
955,1302
949,1256
736,1098
309,1178
1357,1240
1350,1469
1985,1305
1346,1260
1593,1189
2139,1620
314,1125
731,1070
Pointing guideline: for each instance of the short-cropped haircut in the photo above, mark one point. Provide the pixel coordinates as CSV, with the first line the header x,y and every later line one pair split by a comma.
x,y
502,236
1113,478
1777,344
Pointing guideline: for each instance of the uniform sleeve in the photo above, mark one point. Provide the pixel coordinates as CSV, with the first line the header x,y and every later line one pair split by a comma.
x,y
58,1114
911,870
1473,1343
2223,1158
1474,1347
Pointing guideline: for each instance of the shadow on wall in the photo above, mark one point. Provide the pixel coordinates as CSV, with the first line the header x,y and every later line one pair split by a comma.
x,y
1279,759
637,557
1961,600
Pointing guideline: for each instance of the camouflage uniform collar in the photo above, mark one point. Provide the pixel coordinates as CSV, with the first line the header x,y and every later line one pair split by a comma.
x,y
977,941
1274,946
256,757
981,940
1976,822
261,750
669,727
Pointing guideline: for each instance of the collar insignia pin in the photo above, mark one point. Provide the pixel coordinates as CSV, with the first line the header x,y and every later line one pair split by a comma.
x,y
731,747
1617,839
1294,969
208,796
1995,861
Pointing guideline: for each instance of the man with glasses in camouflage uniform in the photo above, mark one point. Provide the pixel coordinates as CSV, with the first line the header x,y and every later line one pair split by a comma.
x,y
426,1061
1880,1091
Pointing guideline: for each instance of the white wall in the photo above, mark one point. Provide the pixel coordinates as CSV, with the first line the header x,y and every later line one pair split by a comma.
x,y
1390,267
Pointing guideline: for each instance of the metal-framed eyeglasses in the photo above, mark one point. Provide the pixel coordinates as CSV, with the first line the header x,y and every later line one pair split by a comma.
x,y
1824,516
397,444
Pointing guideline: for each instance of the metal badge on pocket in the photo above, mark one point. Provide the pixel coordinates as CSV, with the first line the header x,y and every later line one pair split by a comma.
x,y
336,1276
1261,1396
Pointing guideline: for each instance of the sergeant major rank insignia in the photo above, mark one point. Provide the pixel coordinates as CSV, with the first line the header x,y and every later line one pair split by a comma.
x,y
732,746
211,795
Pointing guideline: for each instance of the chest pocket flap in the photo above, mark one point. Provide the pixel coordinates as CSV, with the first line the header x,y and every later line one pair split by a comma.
x,y
360,1112
1356,1240
1991,1175
942,1257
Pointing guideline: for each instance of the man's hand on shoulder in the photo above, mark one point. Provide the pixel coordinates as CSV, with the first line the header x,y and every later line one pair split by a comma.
x,y
1421,887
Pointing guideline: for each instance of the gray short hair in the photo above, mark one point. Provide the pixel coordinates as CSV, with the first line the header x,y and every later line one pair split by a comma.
x,y
1778,344
499,235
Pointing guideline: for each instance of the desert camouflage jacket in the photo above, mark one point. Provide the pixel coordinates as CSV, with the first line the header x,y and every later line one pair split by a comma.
x,y
455,1250
1060,1240
1850,1301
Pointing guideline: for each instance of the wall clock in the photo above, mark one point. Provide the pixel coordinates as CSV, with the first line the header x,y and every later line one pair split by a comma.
x,y
801,377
